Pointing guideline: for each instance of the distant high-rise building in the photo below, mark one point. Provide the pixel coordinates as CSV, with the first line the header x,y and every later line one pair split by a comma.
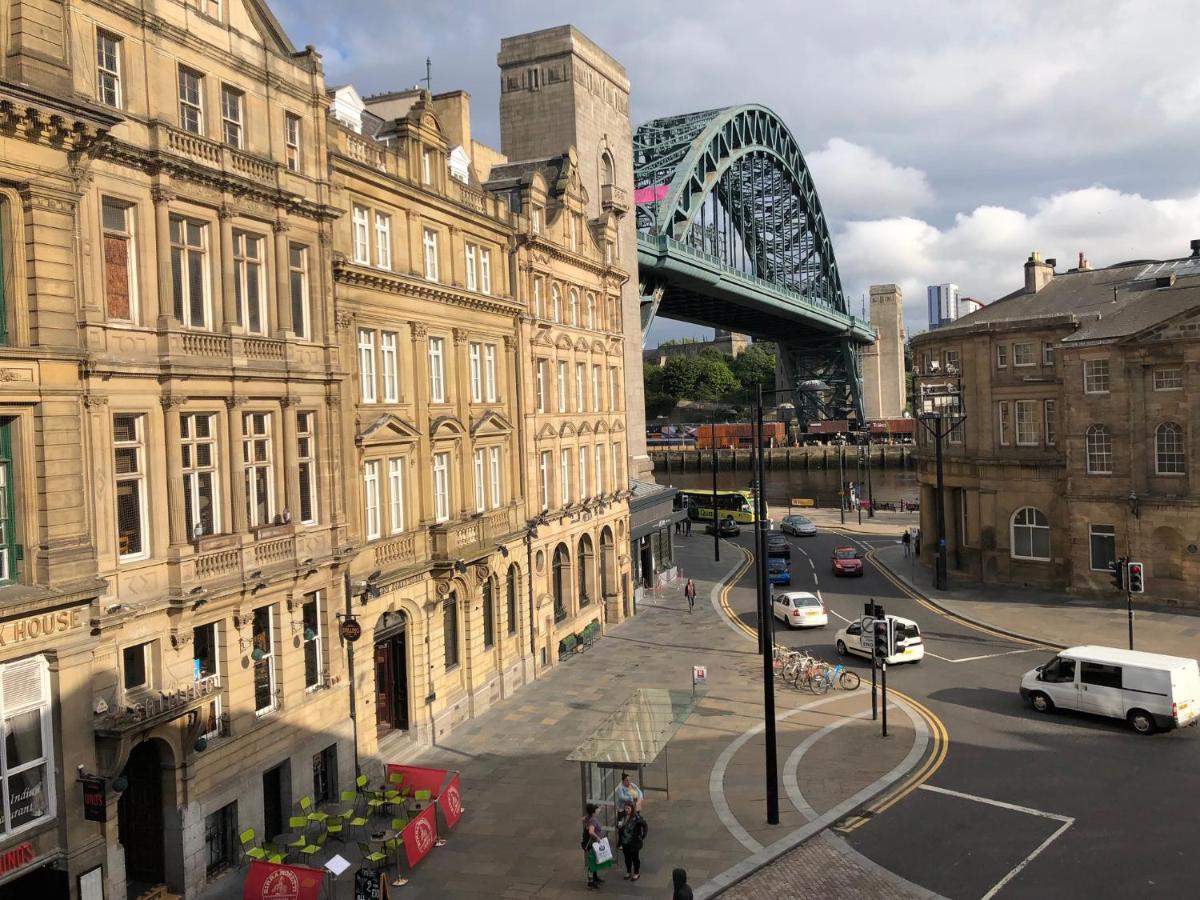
x,y
943,304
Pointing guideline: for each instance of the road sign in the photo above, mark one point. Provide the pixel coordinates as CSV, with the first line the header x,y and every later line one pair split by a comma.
x,y
699,675
803,502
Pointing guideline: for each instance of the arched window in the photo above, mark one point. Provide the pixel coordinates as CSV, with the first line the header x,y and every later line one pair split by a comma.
x,y
591,311
555,304
489,613
606,168
608,585
1099,450
1169,458
574,307
560,573
1030,534
584,560
512,599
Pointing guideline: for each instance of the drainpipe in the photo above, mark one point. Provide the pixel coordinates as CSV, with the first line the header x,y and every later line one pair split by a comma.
x,y
350,669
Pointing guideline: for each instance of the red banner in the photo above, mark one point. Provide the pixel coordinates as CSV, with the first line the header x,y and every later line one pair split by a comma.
x,y
266,881
451,802
650,194
419,779
419,836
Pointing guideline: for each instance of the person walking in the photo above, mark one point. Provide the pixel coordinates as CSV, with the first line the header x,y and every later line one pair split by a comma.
x,y
592,834
632,829
679,880
687,527
906,540
690,592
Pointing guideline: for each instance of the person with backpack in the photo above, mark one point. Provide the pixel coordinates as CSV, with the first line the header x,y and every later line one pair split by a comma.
x,y
632,829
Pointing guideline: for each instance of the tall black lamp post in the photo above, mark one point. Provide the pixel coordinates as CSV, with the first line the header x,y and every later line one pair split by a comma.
x,y
939,408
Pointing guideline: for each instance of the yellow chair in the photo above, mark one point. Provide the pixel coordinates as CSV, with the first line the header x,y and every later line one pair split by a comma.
x,y
306,806
310,850
298,823
350,799
249,850
398,841
374,857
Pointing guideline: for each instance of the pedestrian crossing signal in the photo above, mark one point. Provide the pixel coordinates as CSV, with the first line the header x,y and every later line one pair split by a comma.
x,y
1137,583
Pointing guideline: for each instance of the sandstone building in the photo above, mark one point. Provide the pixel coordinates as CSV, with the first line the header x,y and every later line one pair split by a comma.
x,y
883,362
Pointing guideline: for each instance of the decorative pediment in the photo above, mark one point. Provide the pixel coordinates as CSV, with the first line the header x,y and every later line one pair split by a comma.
x,y
567,430
562,342
541,337
581,345
598,347
547,433
601,427
491,422
446,427
617,425
585,428
387,429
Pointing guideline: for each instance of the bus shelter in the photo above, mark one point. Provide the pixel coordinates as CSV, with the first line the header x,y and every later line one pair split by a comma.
x,y
631,740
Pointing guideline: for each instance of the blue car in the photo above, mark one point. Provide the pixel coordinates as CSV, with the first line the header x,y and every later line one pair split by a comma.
x,y
777,571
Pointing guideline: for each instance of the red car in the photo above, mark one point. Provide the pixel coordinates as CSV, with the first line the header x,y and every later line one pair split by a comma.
x,y
846,561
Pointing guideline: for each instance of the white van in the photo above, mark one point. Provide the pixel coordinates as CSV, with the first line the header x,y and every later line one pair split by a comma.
x,y
1148,690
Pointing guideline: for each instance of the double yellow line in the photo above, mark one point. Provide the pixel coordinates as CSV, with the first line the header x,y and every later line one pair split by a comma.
x,y
747,559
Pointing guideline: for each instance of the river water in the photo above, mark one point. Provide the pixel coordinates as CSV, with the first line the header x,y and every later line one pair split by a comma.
x,y
890,485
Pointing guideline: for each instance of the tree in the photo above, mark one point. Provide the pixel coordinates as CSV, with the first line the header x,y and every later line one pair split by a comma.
x,y
755,366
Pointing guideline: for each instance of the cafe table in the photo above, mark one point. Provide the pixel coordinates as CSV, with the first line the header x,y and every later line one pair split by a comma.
x,y
383,838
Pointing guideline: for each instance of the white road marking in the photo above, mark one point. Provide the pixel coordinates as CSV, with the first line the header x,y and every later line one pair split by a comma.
x,y
976,658
1067,822
813,564
815,580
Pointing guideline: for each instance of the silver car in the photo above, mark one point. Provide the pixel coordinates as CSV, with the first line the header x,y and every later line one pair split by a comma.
x,y
799,526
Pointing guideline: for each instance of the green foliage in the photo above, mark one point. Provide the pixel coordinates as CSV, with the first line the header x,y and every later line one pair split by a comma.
x,y
708,377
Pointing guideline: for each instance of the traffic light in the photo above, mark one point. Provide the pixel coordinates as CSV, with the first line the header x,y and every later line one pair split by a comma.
x,y
885,638
1118,573
1137,583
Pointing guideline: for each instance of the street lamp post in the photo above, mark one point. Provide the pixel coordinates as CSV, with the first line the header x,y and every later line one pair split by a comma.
x,y
870,487
712,424
940,412
842,482
765,618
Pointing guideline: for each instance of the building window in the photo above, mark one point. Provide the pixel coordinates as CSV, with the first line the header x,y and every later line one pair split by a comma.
x,y
564,474
427,167
437,375
366,364
361,219
135,667
474,352
583,472
129,444
598,469
1001,356
489,372
472,277
262,639
231,116
371,498
310,618
1023,355
489,614
387,352
1095,376
324,765
220,839
8,531
616,467
206,661
291,141
1099,450
1003,407
396,493
494,475
25,754
120,269
108,69
198,446
595,389
1030,534
1047,353
189,271
511,590
591,312
1168,379
210,8
574,232
612,388
1102,547
579,388
485,271
258,468
383,240
573,307
562,387
298,281
544,478
191,101
951,357
248,287
1051,424
431,255
535,218
450,629
555,304
306,463
537,298
480,486
441,487
560,573
957,432
1025,415
1169,457
541,385
962,517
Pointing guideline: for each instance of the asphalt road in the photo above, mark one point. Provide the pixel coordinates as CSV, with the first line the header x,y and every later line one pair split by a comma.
x,y
1102,811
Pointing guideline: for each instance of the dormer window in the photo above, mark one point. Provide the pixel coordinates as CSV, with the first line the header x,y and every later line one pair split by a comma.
x,y
535,220
427,167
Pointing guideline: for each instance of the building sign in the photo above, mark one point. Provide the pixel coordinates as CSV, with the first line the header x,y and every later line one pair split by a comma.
x,y
699,674
20,855
95,803
351,629
20,631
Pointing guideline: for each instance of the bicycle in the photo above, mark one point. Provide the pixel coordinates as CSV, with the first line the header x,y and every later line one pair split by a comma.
x,y
846,679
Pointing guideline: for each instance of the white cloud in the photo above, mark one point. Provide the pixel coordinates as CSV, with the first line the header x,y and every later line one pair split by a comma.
x,y
855,181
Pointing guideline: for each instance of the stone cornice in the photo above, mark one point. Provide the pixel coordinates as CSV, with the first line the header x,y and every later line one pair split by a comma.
x,y
409,286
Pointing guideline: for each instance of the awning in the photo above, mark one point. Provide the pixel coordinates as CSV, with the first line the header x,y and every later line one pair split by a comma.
x,y
639,730
267,881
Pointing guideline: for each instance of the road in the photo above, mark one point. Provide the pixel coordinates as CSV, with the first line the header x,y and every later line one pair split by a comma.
x,y
1023,805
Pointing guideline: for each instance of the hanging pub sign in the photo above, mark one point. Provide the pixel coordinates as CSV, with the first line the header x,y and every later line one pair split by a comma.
x,y
351,629
95,803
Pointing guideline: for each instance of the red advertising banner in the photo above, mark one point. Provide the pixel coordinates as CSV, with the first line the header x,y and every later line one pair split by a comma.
x,y
451,802
419,779
650,194
266,881
419,836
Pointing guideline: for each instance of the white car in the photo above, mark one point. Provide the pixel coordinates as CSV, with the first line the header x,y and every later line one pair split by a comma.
x,y
800,609
854,638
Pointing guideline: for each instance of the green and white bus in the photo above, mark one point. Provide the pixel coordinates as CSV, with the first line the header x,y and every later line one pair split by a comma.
x,y
736,504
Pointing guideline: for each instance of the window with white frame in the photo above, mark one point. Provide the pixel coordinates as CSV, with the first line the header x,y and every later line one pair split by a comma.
x,y
1047,353
232,101
129,463
616,467
396,493
191,100
475,358
1002,408
537,298
210,8
360,218
580,390
1095,376
544,478
573,307
1099,450
1102,547
298,287
383,240
430,243
1051,422
598,469
120,266
189,271
480,486
562,386
441,487
262,639
485,271
590,317
258,468
27,752
201,485
306,464
1030,534
1025,418
472,275
1023,354
366,364
952,360
135,668
1001,356
1169,454
489,372
206,662
291,141
584,482
437,370
108,69
595,389
573,229
371,499
248,288
1168,379
427,167
494,476
390,371
314,662
555,304
564,474
612,388
535,218
541,385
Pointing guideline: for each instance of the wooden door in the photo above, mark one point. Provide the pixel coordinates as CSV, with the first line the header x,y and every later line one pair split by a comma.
x,y
384,685
140,817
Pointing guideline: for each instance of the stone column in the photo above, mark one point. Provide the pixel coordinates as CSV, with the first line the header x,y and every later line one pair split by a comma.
x,y
237,486
179,530
291,472
420,382
228,311
282,301
161,303
416,247
462,403
512,376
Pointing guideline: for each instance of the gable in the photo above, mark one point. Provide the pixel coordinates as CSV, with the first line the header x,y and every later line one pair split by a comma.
x,y
446,427
387,429
262,21
491,422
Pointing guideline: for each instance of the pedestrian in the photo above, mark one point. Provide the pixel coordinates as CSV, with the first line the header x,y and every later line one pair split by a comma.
x,y
687,526
682,891
628,793
917,543
632,829
690,592
592,834
906,540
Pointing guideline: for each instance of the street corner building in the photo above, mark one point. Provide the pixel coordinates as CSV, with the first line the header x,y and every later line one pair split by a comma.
x,y
1080,393
287,375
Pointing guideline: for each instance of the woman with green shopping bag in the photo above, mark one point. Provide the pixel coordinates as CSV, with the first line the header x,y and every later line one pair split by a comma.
x,y
596,850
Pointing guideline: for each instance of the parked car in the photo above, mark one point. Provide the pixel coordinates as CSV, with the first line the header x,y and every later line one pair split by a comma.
x,y
854,638
799,526
778,571
847,561
728,527
1148,690
777,545
800,609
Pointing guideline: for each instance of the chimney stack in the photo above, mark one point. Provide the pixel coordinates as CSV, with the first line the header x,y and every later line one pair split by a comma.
x,y
1037,273
1195,249
1084,265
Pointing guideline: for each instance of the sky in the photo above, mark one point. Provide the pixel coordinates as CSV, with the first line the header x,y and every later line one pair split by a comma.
x,y
946,141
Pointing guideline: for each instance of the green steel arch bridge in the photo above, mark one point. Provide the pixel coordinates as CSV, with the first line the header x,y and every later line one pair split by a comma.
x,y
731,235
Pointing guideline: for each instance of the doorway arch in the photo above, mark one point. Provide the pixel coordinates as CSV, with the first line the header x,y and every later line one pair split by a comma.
x,y
586,560
608,563
561,580
141,813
